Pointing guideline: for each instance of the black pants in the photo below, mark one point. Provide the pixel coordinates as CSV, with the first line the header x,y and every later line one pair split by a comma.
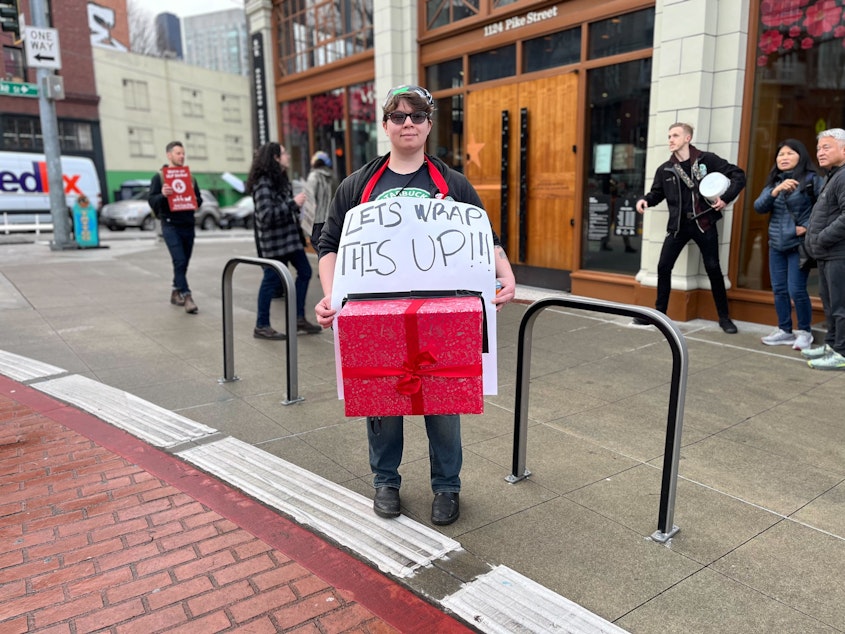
x,y
708,244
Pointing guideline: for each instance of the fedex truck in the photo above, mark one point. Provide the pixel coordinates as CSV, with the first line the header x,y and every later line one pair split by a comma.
x,y
25,189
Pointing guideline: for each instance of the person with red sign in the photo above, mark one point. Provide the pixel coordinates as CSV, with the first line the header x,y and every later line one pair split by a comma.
x,y
407,171
175,197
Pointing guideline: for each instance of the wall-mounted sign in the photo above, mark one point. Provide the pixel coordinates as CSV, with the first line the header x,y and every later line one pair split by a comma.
x,y
519,21
259,90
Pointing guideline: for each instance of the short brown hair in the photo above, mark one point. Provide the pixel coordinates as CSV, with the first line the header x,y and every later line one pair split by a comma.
x,y
686,126
418,97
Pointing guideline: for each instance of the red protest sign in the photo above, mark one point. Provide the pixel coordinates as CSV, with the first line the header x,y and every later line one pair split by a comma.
x,y
179,179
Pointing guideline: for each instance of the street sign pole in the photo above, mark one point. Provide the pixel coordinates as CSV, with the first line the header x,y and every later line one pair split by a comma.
x,y
62,234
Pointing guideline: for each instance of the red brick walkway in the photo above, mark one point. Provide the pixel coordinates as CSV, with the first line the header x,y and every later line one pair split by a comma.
x,y
101,532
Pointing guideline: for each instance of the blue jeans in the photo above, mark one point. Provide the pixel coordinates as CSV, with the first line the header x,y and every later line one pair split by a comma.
x,y
271,283
708,244
180,243
789,285
832,294
386,437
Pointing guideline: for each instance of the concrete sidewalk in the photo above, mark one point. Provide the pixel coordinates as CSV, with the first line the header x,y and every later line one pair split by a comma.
x,y
760,502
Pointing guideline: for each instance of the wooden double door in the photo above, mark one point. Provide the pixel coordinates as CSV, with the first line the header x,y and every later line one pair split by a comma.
x,y
521,146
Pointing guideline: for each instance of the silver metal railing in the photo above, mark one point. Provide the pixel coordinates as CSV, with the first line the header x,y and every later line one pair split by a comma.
x,y
677,394
290,313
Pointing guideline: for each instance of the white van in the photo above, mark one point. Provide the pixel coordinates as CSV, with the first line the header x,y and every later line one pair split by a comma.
x,y
25,190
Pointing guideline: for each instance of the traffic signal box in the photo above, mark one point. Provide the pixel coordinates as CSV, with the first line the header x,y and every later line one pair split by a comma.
x,y
10,18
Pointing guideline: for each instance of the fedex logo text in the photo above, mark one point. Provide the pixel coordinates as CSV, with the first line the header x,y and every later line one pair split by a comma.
x,y
35,182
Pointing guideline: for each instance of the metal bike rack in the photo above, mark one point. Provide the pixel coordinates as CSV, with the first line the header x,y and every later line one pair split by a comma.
x,y
290,312
677,394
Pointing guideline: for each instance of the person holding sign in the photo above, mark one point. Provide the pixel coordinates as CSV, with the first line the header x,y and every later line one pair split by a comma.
x,y
407,171
175,197
691,215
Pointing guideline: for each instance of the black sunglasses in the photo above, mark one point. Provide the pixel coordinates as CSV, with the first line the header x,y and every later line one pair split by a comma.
x,y
398,117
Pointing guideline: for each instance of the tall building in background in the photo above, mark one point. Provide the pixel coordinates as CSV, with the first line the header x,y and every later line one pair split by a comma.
x,y
169,34
217,41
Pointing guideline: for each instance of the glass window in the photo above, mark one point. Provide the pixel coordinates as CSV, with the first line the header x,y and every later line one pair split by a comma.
x,y
622,34
495,64
231,108
136,94
363,105
21,133
141,142
550,51
192,102
321,32
294,132
329,123
13,68
196,146
443,12
445,75
75,136
234,147
618,131
447,131
798,88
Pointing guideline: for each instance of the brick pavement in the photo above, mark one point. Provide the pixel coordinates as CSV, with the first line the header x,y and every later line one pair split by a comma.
x,y
100,532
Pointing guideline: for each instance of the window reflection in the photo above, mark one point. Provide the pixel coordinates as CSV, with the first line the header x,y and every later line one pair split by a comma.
x,y
622,34
447,131
362,115
618,110
495,64
550,51
798,89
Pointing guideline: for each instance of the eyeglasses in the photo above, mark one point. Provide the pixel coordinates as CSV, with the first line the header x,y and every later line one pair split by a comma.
x,y
399,117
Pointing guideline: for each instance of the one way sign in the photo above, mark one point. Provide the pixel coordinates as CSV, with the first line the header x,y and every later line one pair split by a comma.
x,y
42,48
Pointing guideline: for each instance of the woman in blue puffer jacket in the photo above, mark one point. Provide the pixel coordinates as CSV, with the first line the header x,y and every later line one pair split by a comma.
x,y
789,195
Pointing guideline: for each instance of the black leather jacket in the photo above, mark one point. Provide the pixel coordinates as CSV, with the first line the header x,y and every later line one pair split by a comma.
x,y
668,186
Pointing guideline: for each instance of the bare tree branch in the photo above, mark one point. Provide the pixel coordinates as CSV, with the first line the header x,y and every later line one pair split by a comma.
x,y
142,30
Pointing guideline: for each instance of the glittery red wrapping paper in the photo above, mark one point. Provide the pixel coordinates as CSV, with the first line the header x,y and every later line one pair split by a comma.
x,y
394,338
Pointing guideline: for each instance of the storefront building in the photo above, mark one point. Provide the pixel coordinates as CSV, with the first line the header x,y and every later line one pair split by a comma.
x,y
558,112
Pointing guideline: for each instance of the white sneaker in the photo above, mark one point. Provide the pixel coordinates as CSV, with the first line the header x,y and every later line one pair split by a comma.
x,y
779,338
817,353
803,339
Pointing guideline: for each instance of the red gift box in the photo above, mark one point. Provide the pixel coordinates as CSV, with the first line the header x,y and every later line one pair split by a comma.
x,y
412,356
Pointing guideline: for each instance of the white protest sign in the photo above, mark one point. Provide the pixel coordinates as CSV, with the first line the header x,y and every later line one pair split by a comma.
x,y
418,244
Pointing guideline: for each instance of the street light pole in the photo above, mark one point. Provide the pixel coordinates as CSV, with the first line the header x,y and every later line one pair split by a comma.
x,y
62,237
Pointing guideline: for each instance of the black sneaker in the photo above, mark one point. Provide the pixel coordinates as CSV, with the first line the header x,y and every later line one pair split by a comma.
x,y
445,508
727,325
306,327
267,332
386,502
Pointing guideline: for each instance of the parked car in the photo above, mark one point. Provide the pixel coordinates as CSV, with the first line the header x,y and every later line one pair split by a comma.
x,y
208,215
241,214
136,212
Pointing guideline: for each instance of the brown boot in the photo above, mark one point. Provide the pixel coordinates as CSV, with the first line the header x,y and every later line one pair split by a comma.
x,y
190,306
176,298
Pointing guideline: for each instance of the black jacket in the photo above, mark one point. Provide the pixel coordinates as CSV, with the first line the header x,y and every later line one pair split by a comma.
x,y
826,233
669,186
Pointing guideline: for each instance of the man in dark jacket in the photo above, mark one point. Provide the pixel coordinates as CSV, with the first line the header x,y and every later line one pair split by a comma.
x,y
825,241
177,228
691,216
406,171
